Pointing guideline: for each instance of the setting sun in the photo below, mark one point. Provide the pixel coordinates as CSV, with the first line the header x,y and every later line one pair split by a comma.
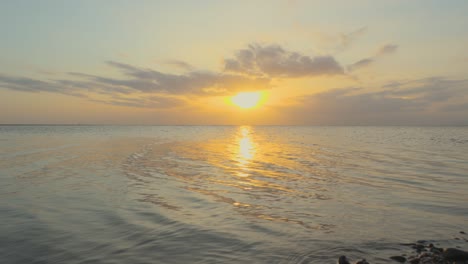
x,y
247,99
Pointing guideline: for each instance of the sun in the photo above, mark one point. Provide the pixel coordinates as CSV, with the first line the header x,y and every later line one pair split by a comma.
x,y
247,100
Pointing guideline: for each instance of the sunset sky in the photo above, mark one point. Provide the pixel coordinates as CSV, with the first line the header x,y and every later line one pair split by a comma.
x,y
386,62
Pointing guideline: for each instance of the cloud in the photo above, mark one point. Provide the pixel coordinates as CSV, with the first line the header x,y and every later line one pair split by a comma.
x,y
273,61
456,107
347,38
336,42
429,101
135,81
384,50
387,49
140,80
32,85
360,64
144,102
180,64
194,82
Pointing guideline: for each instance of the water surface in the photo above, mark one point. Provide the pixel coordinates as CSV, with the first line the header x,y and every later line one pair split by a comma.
x,y
226,194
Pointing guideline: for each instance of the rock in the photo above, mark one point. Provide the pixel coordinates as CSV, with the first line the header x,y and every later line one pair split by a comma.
x,y
343,260
414,261
421,241
418,247
455,254
362,261
461,232
399,258
408,244
434,249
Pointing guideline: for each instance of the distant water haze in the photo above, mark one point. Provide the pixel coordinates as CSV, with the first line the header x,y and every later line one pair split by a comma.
x,y
227,194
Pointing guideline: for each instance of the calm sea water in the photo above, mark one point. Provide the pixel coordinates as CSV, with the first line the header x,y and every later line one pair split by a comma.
x,y
128,194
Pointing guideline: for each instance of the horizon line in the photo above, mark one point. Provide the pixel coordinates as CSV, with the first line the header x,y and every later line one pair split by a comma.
x,y
292,125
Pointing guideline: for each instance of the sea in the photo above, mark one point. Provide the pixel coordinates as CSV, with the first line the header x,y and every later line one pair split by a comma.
x,y
229,194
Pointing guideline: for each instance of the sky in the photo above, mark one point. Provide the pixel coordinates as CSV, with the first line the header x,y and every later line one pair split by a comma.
x,y
360,62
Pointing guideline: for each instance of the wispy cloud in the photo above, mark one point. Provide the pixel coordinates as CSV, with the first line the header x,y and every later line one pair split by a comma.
x,y
156,102
382,51
335,42
180,64
135,81
410,102
387,49
346,39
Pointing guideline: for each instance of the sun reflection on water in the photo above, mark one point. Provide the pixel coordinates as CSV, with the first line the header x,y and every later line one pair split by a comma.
x,y
246,150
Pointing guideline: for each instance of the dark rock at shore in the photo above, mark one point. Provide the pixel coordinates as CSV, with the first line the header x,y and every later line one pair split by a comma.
x,y
425,254
343,260
455,254
399,258
419,247
362,261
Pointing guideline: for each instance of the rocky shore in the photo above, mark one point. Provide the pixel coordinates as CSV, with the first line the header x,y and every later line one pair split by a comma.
x,y
423,252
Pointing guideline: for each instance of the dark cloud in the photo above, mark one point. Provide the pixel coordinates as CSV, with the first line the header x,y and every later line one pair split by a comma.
x,y
410,102
274,61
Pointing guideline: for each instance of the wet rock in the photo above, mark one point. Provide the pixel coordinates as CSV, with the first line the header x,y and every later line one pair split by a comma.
x,y
414,260
343,260
399,258
434,249
455,254
418,247
461,232
421,241
408,244
429,258
362,261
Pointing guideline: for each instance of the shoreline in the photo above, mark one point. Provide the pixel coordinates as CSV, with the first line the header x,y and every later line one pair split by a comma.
x,y
424,252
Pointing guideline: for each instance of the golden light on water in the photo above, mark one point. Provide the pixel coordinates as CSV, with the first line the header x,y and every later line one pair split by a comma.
x,y
247,100
246,149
